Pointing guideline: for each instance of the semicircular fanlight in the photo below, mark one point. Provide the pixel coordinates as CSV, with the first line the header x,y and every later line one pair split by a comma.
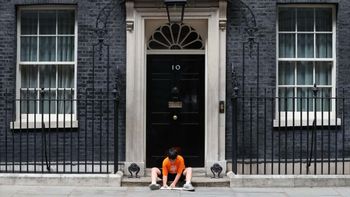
x,y
175,36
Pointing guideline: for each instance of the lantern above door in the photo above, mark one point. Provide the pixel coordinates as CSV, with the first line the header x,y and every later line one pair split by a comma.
x,y
175,10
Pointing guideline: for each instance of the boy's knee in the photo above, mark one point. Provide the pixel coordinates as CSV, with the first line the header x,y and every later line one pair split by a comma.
x,y
188,170
154,169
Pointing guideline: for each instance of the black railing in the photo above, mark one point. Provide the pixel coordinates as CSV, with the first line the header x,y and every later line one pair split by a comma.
x,y
54,131
290,133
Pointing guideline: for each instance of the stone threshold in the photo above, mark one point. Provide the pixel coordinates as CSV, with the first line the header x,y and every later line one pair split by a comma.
x,y
288,180
197,181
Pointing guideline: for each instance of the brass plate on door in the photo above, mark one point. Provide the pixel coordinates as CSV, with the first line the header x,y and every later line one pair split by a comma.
x,y
175,104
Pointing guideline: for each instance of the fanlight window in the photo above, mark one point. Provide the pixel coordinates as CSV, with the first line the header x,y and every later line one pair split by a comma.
x,y
175,37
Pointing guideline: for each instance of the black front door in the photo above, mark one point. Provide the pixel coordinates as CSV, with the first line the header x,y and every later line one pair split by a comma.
x,y
175,108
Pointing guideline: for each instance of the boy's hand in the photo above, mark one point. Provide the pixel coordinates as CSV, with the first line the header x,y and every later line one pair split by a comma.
x,y
172,185
165,186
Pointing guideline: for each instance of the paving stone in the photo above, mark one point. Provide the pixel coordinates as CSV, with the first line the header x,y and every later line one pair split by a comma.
x,y
257,190
260,195
37,195
38,191
149,193
297,192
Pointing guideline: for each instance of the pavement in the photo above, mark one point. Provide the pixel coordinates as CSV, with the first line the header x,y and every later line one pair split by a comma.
x,y
58,191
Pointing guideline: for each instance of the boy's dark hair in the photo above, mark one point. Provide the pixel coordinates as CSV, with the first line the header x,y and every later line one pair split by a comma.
x,y
172,153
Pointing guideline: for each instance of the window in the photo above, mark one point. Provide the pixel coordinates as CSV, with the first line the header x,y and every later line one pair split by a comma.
x,y
46,61
306,57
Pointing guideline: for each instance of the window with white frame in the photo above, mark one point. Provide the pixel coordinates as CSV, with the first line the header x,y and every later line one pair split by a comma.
x,y
306,57
46,60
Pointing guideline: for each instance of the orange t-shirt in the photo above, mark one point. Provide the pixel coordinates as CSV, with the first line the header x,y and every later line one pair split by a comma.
x,y
173,168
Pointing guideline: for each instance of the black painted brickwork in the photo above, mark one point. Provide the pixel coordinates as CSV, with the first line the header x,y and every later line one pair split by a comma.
x,y
266,13
87,12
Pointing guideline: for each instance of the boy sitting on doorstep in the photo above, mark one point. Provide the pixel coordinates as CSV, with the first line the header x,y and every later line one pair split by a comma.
x,y
173,169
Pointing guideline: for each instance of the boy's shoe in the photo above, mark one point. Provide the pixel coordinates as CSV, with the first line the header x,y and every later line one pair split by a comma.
x,y
188,187
154,186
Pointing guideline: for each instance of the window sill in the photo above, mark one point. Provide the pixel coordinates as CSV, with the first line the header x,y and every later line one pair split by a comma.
x,y
305,123
18,125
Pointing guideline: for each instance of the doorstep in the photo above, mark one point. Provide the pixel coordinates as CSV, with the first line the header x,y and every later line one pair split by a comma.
x,y
200,179
197,181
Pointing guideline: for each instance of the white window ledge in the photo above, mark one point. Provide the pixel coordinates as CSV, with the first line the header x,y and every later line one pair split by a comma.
x,y
305,123
18,125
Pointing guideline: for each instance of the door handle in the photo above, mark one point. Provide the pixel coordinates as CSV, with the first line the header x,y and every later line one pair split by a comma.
x,y
174,117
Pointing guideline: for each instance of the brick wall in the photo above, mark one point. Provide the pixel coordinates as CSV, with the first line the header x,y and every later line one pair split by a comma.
x,y
87,13
265,12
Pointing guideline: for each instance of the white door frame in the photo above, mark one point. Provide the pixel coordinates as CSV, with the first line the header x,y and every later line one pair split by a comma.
x,y
215,82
